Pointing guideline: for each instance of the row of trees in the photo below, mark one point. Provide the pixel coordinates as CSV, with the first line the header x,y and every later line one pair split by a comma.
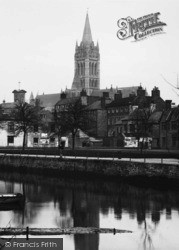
x,y
70,120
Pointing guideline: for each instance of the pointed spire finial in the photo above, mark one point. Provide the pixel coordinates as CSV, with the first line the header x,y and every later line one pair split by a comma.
x,y
87,37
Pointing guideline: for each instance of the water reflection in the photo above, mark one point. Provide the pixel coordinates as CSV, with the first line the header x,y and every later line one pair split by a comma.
x,y
59,202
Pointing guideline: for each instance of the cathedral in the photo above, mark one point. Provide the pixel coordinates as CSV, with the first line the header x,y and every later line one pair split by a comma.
x,y
86,73
87,62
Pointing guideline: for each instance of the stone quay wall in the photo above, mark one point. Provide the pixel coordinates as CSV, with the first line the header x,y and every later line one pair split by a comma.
x,y
99,167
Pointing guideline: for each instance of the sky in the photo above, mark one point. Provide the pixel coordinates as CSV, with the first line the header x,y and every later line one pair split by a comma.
x,y
38,37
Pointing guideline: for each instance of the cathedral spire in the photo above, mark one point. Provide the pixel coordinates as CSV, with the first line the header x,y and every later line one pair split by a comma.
x,y
87,63
87,37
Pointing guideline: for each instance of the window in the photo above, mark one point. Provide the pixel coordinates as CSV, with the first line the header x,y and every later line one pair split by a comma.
x,y
174,141
125,128
163,141
174,125
10,139
10,127
36,140
42,116
163,126
132,128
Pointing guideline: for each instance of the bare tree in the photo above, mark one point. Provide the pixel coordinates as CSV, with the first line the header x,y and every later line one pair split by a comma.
x,y
60,127
25,117
175,87
71,119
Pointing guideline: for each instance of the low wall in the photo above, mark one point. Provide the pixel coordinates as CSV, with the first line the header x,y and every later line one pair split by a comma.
x,y
87,167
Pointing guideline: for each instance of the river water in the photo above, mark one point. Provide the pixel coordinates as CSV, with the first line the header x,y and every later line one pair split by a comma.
x,y
152,214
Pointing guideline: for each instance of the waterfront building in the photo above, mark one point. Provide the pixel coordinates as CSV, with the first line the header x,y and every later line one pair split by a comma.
x,y
126,115
169,127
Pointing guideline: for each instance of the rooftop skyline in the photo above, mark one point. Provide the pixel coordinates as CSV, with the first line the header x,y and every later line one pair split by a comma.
x,y
38,44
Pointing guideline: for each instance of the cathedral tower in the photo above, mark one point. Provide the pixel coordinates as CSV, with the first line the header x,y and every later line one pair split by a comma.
x,y
87,62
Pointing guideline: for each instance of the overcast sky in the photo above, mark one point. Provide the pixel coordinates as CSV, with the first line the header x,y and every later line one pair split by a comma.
x,y
38,37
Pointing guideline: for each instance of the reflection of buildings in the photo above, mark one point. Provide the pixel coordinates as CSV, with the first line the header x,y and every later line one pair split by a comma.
x,y
79,203
85,211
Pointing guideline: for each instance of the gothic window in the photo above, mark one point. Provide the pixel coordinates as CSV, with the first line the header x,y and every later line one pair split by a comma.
x,y
83,68
95,68
78,68
90,68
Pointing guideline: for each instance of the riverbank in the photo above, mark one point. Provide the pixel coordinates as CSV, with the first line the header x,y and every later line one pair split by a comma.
x,y
92,152
88,167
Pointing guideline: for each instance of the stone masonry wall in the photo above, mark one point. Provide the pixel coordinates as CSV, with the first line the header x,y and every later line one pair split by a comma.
x,y
94,167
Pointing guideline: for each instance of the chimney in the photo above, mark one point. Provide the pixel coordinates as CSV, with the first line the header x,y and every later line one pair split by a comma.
x,y
132,94
155,92
118,95
83,95
105,94
168,104
63,95
140,91
103,99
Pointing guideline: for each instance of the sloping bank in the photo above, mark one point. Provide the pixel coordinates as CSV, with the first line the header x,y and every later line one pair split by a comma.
x,y
88,167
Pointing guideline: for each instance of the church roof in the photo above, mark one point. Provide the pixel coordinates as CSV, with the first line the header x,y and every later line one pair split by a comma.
x,y
67,101
48,100
126,91
7,105
87,37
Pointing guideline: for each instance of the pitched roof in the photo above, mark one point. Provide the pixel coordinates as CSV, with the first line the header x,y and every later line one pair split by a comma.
x,y
170,114
97,105
126,91
49,100
7,105
121,102
67,101
155,117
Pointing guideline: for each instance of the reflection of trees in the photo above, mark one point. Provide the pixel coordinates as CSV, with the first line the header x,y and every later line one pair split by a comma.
x,y
80,202
146,236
